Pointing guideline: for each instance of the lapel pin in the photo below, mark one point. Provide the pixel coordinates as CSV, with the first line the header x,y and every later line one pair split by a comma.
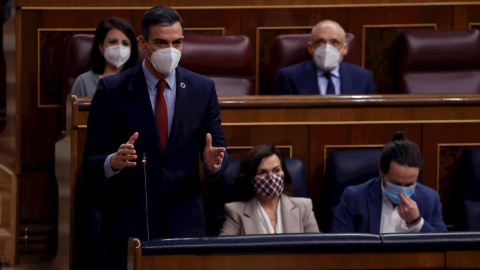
x,y
182,85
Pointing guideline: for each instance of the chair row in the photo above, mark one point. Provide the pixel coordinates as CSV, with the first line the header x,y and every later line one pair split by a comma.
x,y
227,60
430,61
344,168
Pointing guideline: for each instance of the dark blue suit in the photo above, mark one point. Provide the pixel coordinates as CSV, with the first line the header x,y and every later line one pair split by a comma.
x,y
302,79
360,208
120,107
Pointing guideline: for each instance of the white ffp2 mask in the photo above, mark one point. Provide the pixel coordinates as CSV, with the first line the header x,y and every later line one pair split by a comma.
x,y
117,55
165,60
327,57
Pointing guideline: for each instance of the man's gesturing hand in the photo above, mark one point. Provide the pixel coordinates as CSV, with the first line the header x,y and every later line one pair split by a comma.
x,y
212,156
408,209
124,154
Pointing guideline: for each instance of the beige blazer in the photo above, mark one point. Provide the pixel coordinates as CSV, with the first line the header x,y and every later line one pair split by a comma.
x,y
242,218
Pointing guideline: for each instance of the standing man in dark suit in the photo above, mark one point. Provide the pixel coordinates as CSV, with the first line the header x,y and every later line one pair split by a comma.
x,y
326,73
147,128
394,202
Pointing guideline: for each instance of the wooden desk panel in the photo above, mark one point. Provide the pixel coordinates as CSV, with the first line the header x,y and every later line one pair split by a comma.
x,y
463,259
376,109
354,260
295,260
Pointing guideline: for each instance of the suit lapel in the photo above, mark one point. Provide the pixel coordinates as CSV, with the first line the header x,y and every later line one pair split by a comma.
x,y
346,82
308,81
374,206
183,86
139,86
418,200
290,215
250,218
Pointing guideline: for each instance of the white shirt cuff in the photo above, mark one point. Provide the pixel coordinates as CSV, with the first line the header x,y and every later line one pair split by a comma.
x,y
415,228
208,171
107,169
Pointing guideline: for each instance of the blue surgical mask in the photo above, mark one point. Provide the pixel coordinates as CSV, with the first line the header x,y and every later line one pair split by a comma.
x,y
393,192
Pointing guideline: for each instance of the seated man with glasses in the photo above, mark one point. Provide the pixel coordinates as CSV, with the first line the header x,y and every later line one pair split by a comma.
x,y
326,73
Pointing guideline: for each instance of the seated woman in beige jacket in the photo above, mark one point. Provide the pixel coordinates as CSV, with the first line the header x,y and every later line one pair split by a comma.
x,y
264,183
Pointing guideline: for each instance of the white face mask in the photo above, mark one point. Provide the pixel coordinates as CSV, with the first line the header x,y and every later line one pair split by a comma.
x,y
165,60
117,55
327,57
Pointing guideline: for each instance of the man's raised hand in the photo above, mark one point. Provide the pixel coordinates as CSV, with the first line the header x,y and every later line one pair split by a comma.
x,y
212,156
124,154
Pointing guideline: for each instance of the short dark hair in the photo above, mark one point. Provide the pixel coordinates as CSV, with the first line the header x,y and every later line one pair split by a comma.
x,y
248,170
162,15
402,151
97,61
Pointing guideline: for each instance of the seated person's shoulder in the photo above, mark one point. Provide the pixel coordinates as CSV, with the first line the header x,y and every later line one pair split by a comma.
x,y
300,200
86,75
197,77
86,78
234,205
85,84
361,188
426,190
297,67
355,68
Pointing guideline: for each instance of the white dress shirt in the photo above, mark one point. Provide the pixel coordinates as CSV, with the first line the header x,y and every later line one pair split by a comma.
x,y
391,222
265,224
322,81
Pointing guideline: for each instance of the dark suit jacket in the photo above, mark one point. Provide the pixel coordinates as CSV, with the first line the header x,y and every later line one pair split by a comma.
x,y
120,107
302,79
360,208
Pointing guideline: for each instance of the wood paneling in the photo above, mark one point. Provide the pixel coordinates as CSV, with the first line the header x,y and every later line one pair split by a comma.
x,y
463,259
359,260
3,84
381,42
443,146
9,147
38,195
354,260
9,214
232,3
293,259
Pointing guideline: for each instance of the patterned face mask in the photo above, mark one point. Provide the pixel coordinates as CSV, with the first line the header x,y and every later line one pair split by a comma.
x,y
269,186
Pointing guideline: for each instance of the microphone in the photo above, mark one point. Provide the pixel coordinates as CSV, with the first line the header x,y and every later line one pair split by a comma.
x,y
144,161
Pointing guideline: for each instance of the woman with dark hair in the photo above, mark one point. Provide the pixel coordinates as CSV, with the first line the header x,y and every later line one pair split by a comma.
x,y
114,49
265,185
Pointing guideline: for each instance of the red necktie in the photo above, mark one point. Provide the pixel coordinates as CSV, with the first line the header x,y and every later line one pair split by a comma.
x,y
161,116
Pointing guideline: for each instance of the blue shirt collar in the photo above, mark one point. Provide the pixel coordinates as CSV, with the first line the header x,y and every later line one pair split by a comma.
x,y
335,72
152,80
